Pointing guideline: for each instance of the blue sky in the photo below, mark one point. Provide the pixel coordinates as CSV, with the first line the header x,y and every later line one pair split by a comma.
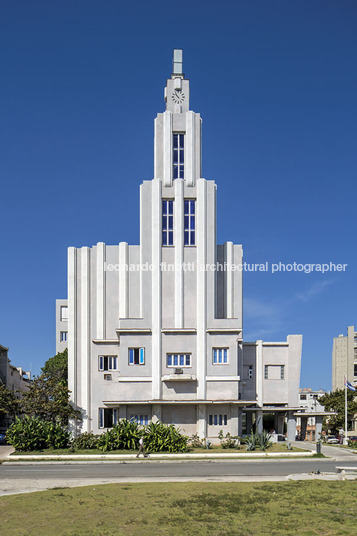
x,y
276,85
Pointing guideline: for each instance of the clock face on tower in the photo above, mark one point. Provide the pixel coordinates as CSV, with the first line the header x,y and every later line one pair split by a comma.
x,y
177,96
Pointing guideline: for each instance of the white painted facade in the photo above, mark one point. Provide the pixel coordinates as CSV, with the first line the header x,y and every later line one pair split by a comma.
x,y
151,302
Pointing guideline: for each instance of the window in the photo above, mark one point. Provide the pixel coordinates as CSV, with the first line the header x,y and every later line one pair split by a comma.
x,y
63,336
190,222
274,372
64,312
108,417
108,362
167,222
220,356
282,372
217,420
178,360
136,356
302,397
140,419
250,372
355,370
178,156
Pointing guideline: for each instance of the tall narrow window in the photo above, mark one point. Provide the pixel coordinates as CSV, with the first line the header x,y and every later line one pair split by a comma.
x,y
190,222
178,155
167,222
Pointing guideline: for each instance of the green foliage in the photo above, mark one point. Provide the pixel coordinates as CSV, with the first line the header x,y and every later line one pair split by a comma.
x,y
158,437
352,444
161,437
335,401
56,367
87,440
261,441
125,435
195,442
9,404
32,433
229,442
48,399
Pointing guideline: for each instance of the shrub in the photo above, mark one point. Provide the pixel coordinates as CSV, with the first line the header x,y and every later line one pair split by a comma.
x,y
31,433
195,442
352,444
261,441
87,440
161,437
124,435
229,442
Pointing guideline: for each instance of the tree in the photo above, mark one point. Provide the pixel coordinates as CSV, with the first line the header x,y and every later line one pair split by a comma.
x,y
335,401
48,399
56,367
9,403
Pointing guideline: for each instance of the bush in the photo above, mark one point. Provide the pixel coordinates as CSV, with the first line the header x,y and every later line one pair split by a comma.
x,y
87,440
32,433
195,442
352,444
261,441
229,442
124,435
161,437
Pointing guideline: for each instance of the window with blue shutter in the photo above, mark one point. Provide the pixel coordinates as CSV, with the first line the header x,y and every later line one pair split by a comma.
x,y
189,222
167,222
136,356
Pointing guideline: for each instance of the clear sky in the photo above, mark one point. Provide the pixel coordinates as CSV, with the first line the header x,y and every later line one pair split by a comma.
x,y
276,84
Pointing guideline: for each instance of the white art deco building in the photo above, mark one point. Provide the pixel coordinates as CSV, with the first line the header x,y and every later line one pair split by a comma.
x,y
155,330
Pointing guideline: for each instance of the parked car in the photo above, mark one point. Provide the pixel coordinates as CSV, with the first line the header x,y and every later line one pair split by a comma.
x,y
332,439
2,439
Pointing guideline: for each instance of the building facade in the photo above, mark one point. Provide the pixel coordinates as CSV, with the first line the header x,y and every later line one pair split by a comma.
x,y
14,378
155,330
313,410
344,359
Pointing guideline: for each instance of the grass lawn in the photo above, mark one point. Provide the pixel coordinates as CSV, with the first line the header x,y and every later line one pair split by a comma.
x,y
180,509
276,447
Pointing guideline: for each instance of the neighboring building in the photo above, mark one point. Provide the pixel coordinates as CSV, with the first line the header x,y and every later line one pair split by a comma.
x,y
61,325
309,401
344,359
14,378
155,330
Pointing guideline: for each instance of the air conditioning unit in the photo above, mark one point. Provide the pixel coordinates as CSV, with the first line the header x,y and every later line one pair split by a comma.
x,y
108,377
178,371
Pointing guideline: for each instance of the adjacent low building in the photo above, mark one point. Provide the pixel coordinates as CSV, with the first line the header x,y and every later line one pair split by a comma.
x,y
313,412
155,330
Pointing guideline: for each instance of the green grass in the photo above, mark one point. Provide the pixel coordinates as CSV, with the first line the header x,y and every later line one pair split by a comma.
x,y
307,508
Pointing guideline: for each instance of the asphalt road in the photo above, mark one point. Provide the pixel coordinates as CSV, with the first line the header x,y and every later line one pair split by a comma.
x,y
150,468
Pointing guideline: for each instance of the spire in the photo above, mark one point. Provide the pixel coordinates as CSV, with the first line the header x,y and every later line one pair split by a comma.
x,y
177,91
177,63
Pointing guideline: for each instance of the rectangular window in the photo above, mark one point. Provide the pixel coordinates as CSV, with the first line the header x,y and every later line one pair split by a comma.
x,y
107,362
136,356
178,156
63,336
64,312
274,372
141,419
178,360
108,417
355,369
250,372
190,222
220,356
167,222
217,420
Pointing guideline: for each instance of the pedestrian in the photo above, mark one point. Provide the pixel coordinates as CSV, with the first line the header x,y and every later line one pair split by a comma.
x,y
141,448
